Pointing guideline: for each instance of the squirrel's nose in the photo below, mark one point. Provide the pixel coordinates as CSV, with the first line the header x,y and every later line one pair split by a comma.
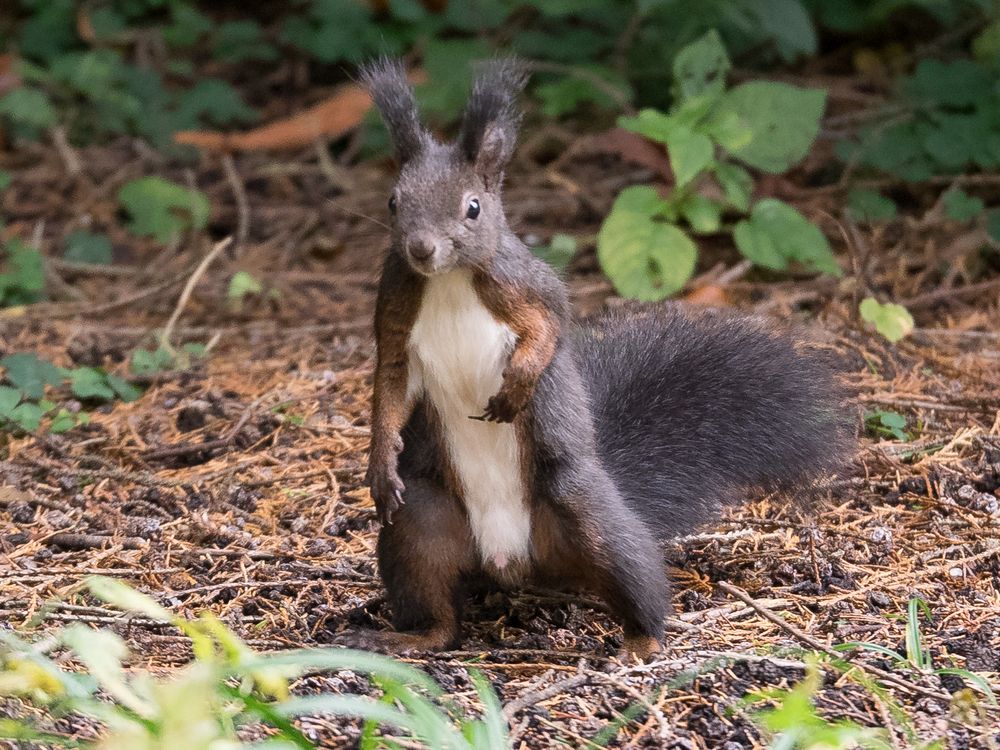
x,y
421,248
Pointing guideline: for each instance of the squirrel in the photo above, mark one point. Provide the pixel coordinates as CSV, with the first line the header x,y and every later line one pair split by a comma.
x,y
510,442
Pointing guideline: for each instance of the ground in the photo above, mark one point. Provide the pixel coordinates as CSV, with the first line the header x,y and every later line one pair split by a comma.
x,y
236,484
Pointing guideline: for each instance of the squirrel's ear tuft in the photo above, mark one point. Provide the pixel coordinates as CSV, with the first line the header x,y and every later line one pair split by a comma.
x,y
489,126
386,82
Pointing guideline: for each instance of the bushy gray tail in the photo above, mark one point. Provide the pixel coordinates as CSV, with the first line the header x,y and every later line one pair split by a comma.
x,y
696,408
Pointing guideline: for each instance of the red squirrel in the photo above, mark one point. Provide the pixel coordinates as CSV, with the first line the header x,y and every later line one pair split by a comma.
x,y
509,442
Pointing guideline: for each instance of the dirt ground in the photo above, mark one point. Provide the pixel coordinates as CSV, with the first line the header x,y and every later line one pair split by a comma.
x,y
236,485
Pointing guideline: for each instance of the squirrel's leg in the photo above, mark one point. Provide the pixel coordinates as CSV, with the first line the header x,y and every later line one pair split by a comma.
x,y
422,556
622,560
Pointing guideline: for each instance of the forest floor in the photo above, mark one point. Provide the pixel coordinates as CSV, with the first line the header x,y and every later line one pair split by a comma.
x,y
236,485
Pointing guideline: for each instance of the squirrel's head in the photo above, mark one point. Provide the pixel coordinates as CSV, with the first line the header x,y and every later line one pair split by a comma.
x,y
446,206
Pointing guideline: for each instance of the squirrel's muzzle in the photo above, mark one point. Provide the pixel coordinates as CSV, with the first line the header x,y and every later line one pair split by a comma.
x,y
425,252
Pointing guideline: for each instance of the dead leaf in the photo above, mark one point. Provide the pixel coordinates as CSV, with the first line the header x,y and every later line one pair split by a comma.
x,y
329,119
710,294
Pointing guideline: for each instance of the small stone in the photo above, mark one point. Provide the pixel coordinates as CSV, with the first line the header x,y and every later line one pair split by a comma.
x,y
956,572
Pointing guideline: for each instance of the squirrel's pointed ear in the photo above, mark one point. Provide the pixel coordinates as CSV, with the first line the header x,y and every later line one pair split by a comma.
x,y
489,126
386,82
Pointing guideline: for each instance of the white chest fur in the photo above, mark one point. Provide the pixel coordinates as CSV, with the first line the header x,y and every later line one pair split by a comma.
x,y
458,352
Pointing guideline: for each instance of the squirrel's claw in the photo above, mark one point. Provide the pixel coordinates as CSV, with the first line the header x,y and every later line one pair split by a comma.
x,y
387,492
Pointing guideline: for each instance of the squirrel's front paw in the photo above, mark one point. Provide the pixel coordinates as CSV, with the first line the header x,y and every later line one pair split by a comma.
x,y
503,407
386,489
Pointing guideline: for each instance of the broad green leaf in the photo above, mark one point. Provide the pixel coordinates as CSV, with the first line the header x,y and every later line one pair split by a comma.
x,y
449,64
650,123
782,121
703,214
30,374
960,83
567,93
89,382
645,259
700,68
891,320
28,107
28,416
690,152
187,24
789,24
870,205
85,247
63,421
215,102
5,179
993,224
125,390
559,252
240,41
23,280
986,45
961,206
163,209
147,362
9,399
736,184
776,234
241,284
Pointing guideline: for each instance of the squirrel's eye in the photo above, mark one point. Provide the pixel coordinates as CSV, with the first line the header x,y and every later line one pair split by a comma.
x,y
473,210
392,204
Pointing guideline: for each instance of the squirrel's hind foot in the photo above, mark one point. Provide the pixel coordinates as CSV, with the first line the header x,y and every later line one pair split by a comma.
x,y
639,648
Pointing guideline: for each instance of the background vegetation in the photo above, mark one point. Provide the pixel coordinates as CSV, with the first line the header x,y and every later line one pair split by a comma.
x,y
735,113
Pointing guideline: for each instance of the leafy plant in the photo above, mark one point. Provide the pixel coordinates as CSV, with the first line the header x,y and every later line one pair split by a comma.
x,y
881,423
163,209
891,320
917,657
945,119
710,134
794,722
161,359
87,247
23,402
225,688
22,274
559,252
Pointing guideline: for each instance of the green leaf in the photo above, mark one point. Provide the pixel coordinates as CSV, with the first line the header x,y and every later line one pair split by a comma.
x,y
215,102
27,416
789,24
28,107
961,206
782,122
703,214
736,184
102,652
891,320
986,45
700,68
163,209
870,205
125,390
242,41
123,596
567,93
241,284
690,153
776,234
30,374
24,279
449,70
146,362
187,25
85,247
993,224
650,123
960,83
9,399
89,382
559,252
645,259
63,421
5,179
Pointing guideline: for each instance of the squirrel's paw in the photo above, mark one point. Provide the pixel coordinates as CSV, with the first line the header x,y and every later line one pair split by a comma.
x,y
386,490
639,648
503,407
